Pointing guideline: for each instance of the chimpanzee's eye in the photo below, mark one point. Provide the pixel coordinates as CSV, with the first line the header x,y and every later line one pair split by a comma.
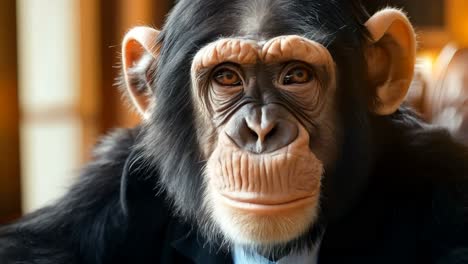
x,y
299,74
227,77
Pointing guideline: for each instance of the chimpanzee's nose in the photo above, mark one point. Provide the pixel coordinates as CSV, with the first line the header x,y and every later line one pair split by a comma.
x,y
262,130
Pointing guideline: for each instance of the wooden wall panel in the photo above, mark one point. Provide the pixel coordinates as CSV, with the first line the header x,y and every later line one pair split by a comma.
x,y
10,203
457,21
90,74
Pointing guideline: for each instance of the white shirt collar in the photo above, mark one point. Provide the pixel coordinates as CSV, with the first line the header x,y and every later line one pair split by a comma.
x,y
305,257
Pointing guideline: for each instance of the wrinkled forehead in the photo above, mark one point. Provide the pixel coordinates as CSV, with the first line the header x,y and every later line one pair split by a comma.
x,y
249,51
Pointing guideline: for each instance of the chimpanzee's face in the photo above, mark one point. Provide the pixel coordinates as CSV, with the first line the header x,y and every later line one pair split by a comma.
x,y
267,128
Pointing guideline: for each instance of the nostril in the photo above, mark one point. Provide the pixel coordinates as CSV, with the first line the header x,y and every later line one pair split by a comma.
x,y
271,133
253,135
282,134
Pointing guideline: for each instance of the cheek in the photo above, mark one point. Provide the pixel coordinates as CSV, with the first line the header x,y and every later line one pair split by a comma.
x,y
206,132
327,133
207,140
329,137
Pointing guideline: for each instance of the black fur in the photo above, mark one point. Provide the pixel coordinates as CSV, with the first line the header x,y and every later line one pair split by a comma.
x,y
398,193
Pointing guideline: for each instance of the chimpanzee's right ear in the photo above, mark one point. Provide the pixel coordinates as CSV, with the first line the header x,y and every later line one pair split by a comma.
x,y
139,51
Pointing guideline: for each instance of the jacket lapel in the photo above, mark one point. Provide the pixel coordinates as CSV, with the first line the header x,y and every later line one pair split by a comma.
x,y
193,246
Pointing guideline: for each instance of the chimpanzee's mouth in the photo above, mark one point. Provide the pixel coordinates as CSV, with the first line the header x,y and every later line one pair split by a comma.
x,y
266,204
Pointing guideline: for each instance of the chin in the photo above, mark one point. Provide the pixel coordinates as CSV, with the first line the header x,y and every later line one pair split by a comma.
x,y
264,225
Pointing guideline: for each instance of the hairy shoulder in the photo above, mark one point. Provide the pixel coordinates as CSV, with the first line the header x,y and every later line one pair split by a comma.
x,y
86,223
432,161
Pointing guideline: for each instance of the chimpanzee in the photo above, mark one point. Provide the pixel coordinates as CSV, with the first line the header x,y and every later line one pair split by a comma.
x,y
273,131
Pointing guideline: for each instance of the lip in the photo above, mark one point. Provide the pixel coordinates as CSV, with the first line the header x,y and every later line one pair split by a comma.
x,y
266,205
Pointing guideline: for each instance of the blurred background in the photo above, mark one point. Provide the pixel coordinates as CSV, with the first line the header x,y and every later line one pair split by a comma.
x,y
58,63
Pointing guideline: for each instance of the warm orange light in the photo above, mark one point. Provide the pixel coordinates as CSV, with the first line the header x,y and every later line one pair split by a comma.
x,y
425,62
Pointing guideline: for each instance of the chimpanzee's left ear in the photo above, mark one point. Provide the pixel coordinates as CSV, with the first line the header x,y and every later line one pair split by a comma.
x,y
139,51
391,57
